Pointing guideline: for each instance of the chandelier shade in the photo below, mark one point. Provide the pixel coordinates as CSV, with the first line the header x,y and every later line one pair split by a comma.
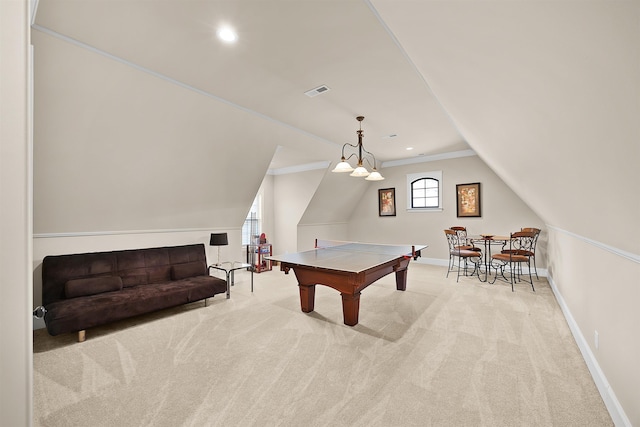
x,y
343,167
374,176
360,171
362,156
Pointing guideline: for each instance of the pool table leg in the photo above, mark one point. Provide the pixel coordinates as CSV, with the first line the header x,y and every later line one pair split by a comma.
x,y
307,297
401,280
350,308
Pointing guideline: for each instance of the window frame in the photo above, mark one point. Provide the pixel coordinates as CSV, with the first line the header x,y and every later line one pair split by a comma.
x,y
246,234
413,177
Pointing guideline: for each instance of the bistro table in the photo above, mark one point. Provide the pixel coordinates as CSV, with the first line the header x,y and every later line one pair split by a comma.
x,y
487,240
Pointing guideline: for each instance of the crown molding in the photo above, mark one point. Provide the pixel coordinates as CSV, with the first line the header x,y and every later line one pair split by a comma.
x,y
299,168
432,158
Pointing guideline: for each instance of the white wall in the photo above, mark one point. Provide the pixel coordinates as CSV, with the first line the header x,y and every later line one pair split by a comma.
x,y
16,359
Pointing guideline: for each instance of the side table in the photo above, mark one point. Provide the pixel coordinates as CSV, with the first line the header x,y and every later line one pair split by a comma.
x,y
233,266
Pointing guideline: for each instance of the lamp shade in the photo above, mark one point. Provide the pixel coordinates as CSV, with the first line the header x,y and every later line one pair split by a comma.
x,y
360,171
374,176
343,167
218,239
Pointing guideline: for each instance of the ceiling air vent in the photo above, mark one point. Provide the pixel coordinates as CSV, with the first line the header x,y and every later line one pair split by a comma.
x,y
317,91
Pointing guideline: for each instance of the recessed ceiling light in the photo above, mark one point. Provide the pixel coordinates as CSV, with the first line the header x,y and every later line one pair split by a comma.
x,y
409,148
227,34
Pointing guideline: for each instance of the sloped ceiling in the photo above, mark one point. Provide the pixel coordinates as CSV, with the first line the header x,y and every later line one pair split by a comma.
x,y
284,49
547,93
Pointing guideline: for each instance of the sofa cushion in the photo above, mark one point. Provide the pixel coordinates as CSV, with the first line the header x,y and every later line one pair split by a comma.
x,y
159,274
134,278
76,314
92,286
188,269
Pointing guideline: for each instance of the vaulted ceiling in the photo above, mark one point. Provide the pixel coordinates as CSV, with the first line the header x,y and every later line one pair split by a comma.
x,y
284,49
544,92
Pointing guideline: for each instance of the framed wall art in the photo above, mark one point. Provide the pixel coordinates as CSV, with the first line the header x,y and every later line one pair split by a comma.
x,y
468,200
387,202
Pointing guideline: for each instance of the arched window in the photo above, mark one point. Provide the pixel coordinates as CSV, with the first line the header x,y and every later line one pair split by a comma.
x,y
425,193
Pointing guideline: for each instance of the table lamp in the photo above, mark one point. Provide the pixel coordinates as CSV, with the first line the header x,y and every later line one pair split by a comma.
x,y
218,239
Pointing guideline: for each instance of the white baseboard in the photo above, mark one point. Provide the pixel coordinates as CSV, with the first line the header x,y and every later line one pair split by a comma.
x,y
610,400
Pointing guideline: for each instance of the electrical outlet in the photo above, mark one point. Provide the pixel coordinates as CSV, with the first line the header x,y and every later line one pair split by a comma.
x,y
596,339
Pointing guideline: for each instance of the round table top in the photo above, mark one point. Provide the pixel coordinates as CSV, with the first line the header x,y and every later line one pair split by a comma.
x,y
490,237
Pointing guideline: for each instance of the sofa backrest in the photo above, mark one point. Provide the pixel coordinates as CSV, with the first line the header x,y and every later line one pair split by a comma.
x,y
134,267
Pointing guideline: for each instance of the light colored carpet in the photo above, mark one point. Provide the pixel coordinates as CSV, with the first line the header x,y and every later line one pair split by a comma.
x,y
440,354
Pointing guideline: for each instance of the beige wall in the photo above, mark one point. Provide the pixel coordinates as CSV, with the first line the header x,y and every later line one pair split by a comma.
x,y
292,195
118,149
308,233
502,210
15,210
597,288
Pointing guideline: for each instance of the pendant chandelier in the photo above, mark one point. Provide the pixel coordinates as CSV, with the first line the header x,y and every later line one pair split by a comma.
x,y
362,156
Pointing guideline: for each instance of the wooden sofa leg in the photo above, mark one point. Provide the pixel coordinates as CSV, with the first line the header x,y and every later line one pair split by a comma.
x,y
206,301
81,336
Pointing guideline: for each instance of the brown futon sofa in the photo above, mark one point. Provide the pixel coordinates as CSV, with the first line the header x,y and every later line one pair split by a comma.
x,y
81,291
